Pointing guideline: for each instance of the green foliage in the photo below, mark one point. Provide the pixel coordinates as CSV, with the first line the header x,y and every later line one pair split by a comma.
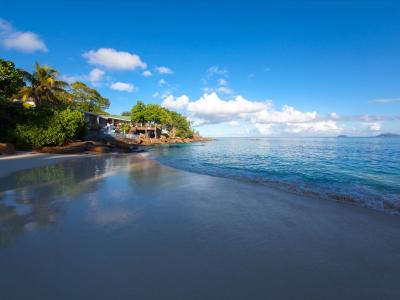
x,y
137,112
44,88
178,124
48,126
11,80
11,113
88,99
125,127
126,113
156,114
181,125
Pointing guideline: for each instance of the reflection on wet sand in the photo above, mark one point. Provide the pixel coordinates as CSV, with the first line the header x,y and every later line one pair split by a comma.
x,y
38,197
122,226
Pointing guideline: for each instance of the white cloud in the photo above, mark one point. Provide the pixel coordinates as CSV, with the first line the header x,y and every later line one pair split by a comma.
x,y
222,81
72,78
262,116
387,100
221,90
122,86
313,127
375,127
113,59
162,82
215,70
210,106
163,70
24,41
96,75
233,123
288,114
147,73
264,129
334,116
179,103
224,90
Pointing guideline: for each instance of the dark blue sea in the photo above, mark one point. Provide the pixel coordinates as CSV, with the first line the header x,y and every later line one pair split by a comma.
x,y
364,171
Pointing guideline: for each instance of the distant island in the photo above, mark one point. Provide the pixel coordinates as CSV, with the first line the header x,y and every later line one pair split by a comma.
x,y
382,135
388,135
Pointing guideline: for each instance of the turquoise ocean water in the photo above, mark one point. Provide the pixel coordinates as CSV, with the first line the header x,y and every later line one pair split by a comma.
x,y
365,171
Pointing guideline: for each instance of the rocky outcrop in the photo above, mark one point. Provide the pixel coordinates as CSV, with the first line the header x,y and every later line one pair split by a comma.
x,y
106,145
7,149
79,147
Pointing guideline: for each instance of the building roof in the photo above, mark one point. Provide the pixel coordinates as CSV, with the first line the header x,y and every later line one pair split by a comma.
x,y
123,118
114,117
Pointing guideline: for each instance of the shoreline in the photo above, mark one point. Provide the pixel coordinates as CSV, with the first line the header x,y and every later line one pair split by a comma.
x,y
147,220
25,160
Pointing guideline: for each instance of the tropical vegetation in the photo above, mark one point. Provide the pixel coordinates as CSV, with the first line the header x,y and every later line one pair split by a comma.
x,y
11,80
48,112
85,98
178,124
38,108
43,87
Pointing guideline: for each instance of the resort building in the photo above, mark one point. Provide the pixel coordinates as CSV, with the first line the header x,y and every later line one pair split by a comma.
x,y
98,122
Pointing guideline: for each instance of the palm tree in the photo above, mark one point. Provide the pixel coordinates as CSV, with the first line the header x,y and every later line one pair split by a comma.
x,y
44,88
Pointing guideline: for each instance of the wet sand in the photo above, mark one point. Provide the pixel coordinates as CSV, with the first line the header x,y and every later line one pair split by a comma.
x,y
123,227
29,160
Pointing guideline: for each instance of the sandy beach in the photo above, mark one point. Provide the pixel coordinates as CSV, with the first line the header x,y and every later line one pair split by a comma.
x,y
29,160
125,227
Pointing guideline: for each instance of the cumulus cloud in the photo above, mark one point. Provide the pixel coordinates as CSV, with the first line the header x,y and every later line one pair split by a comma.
x,y
213,108
122,86
313,127
261,115
178,103
96,75
113,59
164,70
288,114
264,129
147,73
23,41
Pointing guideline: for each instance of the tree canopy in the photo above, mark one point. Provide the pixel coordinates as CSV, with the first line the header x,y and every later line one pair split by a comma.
x,y
137,112
44,87
154,113
87,99
11,80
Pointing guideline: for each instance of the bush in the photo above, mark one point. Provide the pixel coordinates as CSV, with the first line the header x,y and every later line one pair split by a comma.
x,y
48,126
11,113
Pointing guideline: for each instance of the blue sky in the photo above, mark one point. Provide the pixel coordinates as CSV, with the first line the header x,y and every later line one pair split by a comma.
x,y
235,68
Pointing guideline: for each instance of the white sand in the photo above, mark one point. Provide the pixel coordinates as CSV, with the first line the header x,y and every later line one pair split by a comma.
x,y
145,230
29,160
